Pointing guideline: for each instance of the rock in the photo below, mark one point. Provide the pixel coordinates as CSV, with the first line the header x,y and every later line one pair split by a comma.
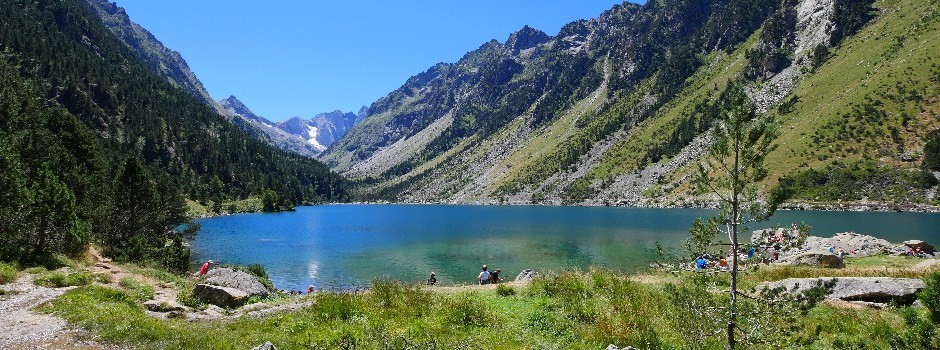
x,y
163,305
927,265
869,289
614,347
255,307
817,258
916,243
526,275
862,245
266,346
220,296
231,278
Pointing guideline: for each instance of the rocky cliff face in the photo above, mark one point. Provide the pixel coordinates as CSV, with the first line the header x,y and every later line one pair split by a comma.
x,y
615,110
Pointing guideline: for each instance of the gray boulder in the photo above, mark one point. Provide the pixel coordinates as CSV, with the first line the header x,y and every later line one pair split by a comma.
x,y
526,275
927,264
231,278
163,305
868,289
614,347
862,245
220,296
266,346
816,258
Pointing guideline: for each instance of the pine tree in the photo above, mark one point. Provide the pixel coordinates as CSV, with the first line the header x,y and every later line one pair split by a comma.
x,y
732,171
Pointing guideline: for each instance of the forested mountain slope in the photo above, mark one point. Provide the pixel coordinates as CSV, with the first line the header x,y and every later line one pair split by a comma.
x,y
612,110
88,126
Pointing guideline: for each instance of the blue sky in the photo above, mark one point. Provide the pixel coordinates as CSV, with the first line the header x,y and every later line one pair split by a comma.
x,y
299,57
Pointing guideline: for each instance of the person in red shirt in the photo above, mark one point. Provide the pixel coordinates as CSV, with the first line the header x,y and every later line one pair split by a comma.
x,y
205,268
310,290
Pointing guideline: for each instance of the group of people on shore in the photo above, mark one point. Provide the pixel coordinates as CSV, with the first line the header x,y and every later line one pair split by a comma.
x,y
484,277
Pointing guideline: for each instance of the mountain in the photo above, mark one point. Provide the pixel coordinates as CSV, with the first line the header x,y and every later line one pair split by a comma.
x,y
165,62
298,135
79,66
614,110
172,67
322,130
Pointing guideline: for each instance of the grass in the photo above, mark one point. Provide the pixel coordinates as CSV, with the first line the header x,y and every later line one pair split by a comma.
x,y
59,279
137,289
574,310
7,273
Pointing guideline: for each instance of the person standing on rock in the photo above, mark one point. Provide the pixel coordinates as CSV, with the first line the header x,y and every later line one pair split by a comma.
x,y
205,268
484,276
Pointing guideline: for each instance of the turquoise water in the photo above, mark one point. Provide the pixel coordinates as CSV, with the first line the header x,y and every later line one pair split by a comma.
x,y
348,245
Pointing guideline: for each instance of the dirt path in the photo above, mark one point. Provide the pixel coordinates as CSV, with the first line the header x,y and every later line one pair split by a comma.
x,y
25,328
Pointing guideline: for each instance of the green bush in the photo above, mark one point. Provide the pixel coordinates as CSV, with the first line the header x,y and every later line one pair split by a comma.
x,y
59,279
504,290
930,296
7,273
465,310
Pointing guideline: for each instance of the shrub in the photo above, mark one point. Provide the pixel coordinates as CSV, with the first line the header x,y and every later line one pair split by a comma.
x,y
930,296
7,273
464,310
504,290
59,279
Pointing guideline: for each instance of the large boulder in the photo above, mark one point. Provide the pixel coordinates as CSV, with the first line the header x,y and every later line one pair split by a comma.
x,y
526,275
231,278
918,244
869,289
266,346
220,296
815,258
927,264
857,245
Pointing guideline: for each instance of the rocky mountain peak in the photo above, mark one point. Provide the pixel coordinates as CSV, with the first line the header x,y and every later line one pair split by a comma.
x,y
237,108
526,38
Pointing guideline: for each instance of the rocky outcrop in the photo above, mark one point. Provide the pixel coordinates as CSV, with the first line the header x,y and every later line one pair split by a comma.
x,y
814,258
927,265
164,305
231,278
526,275
868,289
266,346
858,245
220,296
917,244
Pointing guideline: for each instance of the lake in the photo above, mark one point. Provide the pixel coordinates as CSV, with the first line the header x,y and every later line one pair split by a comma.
x,y
343,246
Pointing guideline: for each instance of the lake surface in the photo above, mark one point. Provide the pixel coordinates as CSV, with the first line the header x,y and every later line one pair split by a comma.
x,y
343,246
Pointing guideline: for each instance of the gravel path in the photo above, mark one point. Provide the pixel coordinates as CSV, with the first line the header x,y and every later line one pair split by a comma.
x,y
25,328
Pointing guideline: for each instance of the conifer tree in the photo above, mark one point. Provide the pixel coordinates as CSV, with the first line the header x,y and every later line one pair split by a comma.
x,y
732,171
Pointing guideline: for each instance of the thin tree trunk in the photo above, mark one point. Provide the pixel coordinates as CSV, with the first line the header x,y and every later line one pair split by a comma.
x,y
732,316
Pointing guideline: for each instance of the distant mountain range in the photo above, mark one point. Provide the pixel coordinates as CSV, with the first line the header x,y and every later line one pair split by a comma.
x,y
615,110
305,137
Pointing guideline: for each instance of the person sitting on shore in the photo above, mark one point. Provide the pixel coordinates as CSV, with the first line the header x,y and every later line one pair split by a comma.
x,y
723,264
484,276
310,289
432,280
494,276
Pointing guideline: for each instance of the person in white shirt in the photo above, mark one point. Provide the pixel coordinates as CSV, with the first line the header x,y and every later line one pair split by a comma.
x,y
484,276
